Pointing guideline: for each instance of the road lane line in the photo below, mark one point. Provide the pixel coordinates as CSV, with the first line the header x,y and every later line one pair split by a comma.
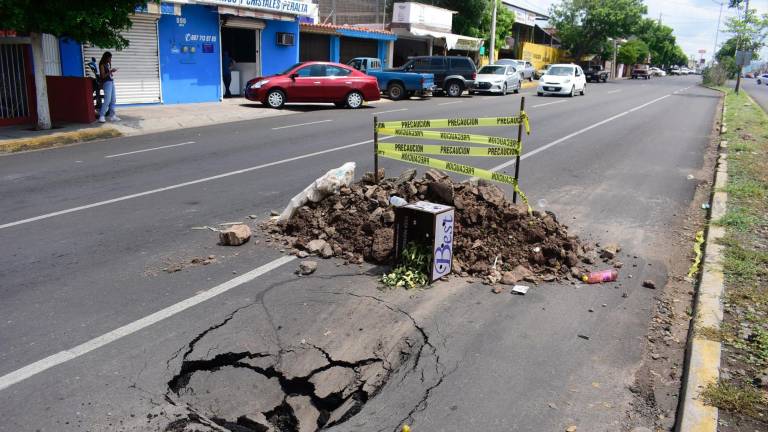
x,y
128,329
578,132
302,124
612,91
189,183
450,103
549,103
149,149
391,111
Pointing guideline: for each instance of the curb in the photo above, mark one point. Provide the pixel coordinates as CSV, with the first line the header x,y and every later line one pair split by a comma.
x,y
57,139
703,356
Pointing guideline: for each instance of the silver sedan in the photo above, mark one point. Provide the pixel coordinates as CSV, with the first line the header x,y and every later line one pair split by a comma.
x,y
497,79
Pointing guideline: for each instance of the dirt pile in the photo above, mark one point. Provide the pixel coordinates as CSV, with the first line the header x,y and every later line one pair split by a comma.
x,y
357,225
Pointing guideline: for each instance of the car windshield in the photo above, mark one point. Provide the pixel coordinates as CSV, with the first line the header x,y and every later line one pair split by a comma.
x,y
492,70
560,71
291,68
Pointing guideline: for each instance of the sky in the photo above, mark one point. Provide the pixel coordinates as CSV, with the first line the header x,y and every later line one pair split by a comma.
x,y
694,21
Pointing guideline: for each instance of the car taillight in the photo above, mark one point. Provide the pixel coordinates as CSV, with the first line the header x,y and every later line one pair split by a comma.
x,y
474,75
422,80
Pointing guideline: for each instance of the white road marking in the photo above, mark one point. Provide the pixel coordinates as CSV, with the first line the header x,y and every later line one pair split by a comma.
x,y
449,103
391,111
549,103
149,149
302,124
578,132
128,329
612,91
180,185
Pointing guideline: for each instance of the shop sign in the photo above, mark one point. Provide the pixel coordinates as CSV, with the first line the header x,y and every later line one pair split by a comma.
x,y
293,7
423,15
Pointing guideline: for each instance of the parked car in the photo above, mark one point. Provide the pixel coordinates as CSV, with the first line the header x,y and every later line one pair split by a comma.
x,y
596,73
675,71
524,68
539,73
396,85
453,74
641,71
497,79
762,79
657,72
562,79
314,81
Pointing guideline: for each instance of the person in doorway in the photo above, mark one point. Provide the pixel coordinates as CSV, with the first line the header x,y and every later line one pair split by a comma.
x,y
106,72
226,67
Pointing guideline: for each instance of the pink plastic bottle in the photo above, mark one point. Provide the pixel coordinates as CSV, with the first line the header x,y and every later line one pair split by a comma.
x,y
600,276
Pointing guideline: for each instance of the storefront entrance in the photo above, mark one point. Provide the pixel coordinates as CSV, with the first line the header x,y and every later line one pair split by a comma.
x,y
241,38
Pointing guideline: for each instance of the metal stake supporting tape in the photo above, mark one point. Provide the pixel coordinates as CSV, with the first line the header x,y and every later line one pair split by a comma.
x,y
375,150
519,137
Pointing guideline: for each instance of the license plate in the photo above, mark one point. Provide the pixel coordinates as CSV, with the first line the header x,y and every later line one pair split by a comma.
x,y
549,88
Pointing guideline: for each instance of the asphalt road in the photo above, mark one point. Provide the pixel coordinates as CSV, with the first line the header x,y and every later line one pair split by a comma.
x,y
86,231
758,92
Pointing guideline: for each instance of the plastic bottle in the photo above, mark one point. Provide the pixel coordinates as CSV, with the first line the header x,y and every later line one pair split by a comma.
x,y
397,201
600,276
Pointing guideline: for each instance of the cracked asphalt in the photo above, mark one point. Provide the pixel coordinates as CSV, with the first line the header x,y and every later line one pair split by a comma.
x,y
454,357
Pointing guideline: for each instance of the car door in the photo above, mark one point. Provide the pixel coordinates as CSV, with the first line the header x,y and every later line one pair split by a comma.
x,y
581,80
511,80
305,84
336,84
438,67
529,69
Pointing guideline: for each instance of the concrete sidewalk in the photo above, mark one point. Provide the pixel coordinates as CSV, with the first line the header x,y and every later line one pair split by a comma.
x,y
139,120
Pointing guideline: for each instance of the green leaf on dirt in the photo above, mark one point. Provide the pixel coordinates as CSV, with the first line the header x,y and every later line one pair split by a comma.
x,y
412,270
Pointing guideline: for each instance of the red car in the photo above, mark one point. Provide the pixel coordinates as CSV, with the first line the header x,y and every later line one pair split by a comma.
x,y
314,82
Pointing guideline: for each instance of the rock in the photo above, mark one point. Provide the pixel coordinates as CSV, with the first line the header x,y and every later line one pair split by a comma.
x,y
388,217
649,284
306,413
307,267
516,275
576,272
369,179
493,277
492,194
406,176
315,246
497,290
434,175
640,429
326,251
762,380
256,422
302,254
333,381
590,257
339,413
457,266
383,243
443,191
618,264
571,429
376,215
235,235
610,251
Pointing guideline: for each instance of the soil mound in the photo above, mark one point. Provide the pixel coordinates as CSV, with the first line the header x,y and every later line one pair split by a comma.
x,y
357,224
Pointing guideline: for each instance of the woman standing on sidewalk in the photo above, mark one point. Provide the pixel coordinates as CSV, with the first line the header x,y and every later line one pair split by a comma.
x,y
105,75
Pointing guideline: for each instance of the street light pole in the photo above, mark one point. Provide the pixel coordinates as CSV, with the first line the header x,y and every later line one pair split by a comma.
x,y
492,54
613,63
738,45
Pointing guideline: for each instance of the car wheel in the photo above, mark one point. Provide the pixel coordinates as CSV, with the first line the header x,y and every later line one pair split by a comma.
x,y
455,89
583,89
517,87
539,94
395,91
504,90
276,99
355,100
573,91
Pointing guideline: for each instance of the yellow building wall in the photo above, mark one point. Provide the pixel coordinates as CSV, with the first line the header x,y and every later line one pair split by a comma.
x,y
540,55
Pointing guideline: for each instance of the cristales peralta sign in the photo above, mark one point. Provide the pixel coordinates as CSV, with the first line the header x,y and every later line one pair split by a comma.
x,y
293,7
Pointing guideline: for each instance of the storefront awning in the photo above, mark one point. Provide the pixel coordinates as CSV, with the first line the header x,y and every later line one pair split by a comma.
x,y
452,41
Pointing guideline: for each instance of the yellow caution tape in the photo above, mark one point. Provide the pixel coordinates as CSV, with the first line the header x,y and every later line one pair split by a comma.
x,y
419,159
456,122
452,136
697,249
526,123
449,150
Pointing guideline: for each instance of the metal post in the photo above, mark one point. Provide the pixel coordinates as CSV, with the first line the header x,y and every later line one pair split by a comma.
x,y
613,63
492,54
738,45
519,140
375,149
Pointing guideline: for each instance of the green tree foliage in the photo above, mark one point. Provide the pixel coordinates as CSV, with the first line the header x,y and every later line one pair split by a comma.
x,y
473,18
750,30
584,25
97,22
633,52
505,19
726,56
661,42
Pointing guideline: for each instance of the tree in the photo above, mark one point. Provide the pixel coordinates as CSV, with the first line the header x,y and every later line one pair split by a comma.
x,y
86,21
505,19
750,31
633,52
584,26
660,40
726,56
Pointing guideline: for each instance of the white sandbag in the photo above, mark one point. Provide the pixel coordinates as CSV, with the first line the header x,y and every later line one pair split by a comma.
x,y
328,184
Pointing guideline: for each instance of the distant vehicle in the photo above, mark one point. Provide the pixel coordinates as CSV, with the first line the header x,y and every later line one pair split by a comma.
x,y
539,73
658,72
497,79
524,68
685,71
397,85
762,79
314,82
453,74
641,71
596,73
675,71
562,79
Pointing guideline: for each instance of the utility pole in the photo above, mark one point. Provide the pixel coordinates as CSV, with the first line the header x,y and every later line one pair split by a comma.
x,y
738,45
613,63
492,54
333,11
717,33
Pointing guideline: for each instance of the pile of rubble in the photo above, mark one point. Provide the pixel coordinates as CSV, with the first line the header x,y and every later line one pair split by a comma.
x,y
494,238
